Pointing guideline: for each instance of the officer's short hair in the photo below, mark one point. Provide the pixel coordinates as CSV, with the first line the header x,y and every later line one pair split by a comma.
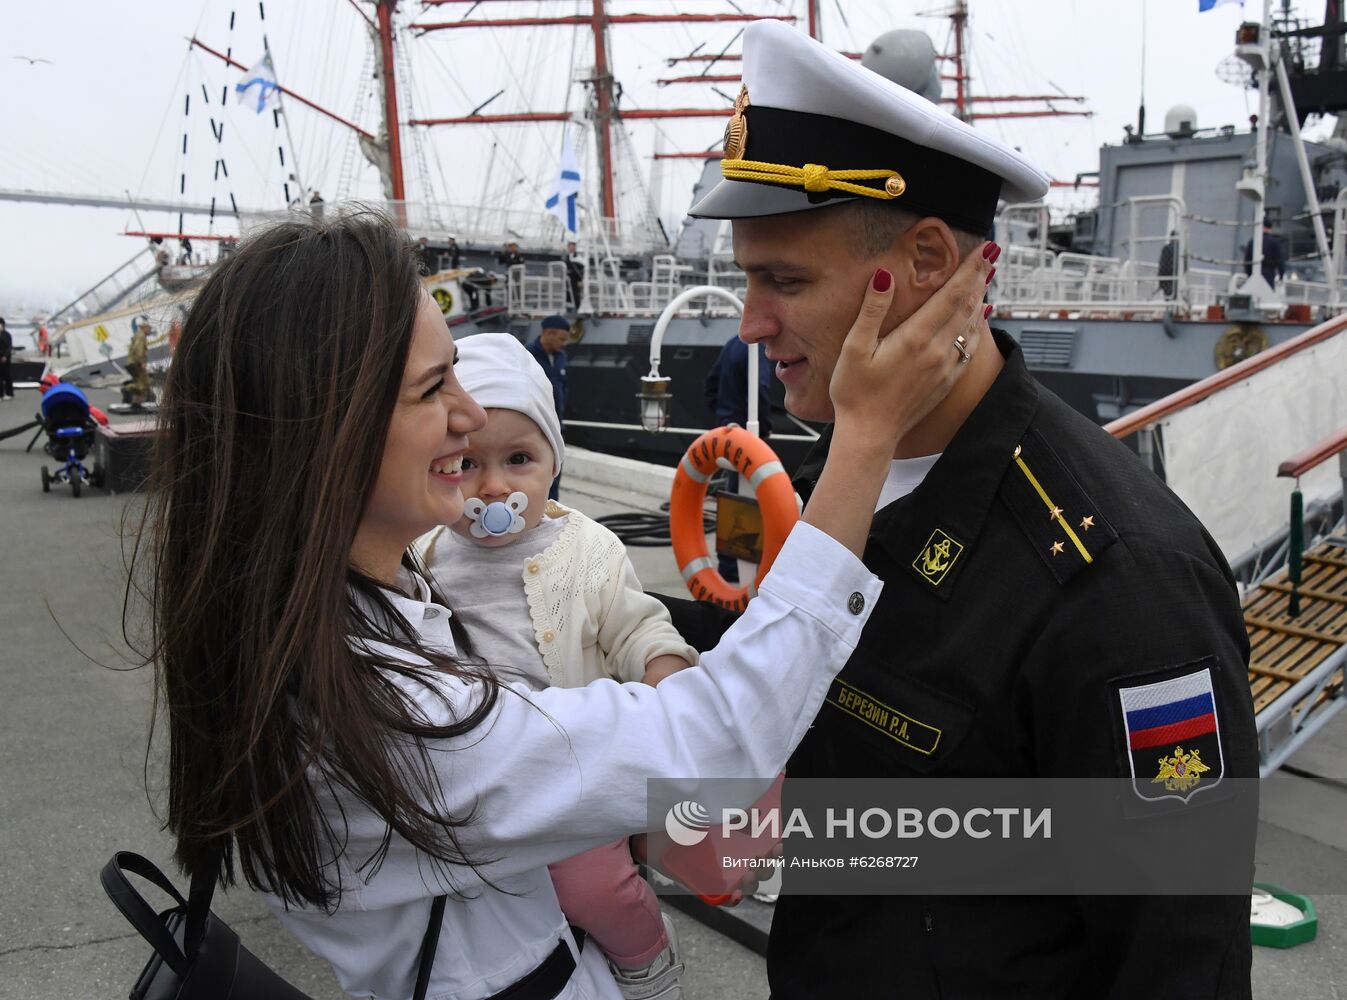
x,y
875,225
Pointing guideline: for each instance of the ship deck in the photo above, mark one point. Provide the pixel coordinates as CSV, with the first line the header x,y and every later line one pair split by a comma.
x,y
73,725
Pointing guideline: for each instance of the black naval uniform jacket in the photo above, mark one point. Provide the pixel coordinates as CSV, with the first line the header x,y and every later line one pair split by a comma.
x,y
1005,648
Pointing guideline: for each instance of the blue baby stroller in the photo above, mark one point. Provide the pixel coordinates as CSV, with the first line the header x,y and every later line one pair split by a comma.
x,y
70,434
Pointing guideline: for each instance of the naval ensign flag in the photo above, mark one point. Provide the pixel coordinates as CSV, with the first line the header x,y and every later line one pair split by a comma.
x,y
562,202
258,86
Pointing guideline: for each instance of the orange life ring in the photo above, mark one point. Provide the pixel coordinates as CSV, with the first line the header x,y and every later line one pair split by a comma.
x,y
752,458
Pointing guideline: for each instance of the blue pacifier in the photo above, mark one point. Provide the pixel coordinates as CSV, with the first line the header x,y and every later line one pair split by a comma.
x,y
496,518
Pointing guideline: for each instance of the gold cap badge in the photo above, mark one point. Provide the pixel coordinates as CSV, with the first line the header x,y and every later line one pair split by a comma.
x,y
736,131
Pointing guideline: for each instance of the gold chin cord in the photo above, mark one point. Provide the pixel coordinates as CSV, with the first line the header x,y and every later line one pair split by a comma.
x,y
816,178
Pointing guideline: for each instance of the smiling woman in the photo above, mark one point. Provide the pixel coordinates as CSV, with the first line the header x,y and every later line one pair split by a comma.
x,y
427,432
311,393
325,733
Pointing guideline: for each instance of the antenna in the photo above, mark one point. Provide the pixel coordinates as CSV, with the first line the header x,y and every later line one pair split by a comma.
x,y
1141,105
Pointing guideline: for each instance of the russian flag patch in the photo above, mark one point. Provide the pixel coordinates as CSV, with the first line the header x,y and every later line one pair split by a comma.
x,y
1172,736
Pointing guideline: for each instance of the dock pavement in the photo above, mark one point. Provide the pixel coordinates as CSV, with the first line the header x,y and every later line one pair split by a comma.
x,y
78,785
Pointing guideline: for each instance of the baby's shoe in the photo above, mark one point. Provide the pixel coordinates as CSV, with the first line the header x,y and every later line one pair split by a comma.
x,y
661,979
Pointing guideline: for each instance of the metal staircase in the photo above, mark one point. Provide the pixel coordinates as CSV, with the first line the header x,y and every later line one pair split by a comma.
x,y
112,289
1294,580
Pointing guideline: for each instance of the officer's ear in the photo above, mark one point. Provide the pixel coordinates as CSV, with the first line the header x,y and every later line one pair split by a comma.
x,y
932,255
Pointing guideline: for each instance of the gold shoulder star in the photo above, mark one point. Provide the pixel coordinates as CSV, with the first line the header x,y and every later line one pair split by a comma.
x,y
1086,523
1056,514
1057,548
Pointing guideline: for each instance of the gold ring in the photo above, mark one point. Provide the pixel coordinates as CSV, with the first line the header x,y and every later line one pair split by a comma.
x,y
961,346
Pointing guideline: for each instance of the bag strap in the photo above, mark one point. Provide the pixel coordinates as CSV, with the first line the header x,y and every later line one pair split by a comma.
x,y
134,908
198,902
429,945
197,906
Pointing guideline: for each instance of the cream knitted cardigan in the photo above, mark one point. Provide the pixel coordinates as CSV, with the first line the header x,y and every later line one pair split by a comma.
x,y
591,618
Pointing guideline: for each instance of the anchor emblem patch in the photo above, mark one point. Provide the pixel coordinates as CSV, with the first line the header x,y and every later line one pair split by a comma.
x,y
937,557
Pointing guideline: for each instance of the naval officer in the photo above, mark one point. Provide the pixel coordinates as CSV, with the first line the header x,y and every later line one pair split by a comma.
x,y
1049,608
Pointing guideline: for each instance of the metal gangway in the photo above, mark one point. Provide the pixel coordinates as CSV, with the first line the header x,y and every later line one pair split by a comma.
x,y
1259,452
112,289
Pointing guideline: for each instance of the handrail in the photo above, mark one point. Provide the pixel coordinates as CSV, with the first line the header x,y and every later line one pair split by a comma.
x,y
1297,465
1212,384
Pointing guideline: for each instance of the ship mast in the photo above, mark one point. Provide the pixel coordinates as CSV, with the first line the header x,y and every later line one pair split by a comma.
x,y
959,18
606,111
384,14
603,95
390,166
964,99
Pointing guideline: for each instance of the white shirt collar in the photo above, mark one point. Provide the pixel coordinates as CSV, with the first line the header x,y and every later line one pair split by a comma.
x,y
429,619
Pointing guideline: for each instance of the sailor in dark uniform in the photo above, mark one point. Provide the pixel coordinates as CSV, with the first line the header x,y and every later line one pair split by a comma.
x,y
1051,609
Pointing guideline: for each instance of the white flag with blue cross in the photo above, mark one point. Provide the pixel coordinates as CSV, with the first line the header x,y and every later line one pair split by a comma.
x,y
259,87
564,194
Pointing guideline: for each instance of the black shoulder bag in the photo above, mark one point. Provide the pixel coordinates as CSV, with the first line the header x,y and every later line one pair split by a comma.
x,y
196,956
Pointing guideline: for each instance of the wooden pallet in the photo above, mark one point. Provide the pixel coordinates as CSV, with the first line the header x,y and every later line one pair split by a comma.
x,y
1284,650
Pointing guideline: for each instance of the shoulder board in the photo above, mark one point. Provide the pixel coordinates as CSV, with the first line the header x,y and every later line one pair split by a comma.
x,y
1063,524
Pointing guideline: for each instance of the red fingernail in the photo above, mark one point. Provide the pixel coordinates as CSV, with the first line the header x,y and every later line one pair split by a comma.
x,y
996,252
882,280
987,249
987,313
990,275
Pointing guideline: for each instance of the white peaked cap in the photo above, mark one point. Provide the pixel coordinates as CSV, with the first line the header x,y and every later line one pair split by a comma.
x,y
809,104
500,373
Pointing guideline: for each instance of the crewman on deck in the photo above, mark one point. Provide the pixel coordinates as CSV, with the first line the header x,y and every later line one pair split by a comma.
x,y
6,357
510,256
1049,605
549,348
137,391
1274,257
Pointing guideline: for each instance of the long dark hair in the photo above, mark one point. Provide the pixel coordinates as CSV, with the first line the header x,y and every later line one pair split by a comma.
x,y
271,432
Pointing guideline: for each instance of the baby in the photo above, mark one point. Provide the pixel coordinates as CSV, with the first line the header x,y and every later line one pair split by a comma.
x,y
549,597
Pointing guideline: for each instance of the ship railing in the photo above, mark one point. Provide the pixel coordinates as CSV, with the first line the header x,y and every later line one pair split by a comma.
x,y
1033,278
1024,274
609,292
1023,221
1250,416
667,278
1194,289
710,305
1085,278
532,229
536,293
1153,221
1201,287
720,267
1314,293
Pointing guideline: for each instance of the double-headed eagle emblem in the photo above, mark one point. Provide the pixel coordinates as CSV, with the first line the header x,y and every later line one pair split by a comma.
x,y
1181,771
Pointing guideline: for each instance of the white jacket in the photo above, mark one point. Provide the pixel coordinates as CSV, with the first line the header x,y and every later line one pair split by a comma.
x,y
556,772
591,618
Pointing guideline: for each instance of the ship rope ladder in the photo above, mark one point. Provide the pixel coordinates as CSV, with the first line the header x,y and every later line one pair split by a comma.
x,y
351,155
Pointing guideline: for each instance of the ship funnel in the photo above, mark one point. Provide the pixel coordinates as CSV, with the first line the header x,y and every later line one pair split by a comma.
x,y
908,59
1180,121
